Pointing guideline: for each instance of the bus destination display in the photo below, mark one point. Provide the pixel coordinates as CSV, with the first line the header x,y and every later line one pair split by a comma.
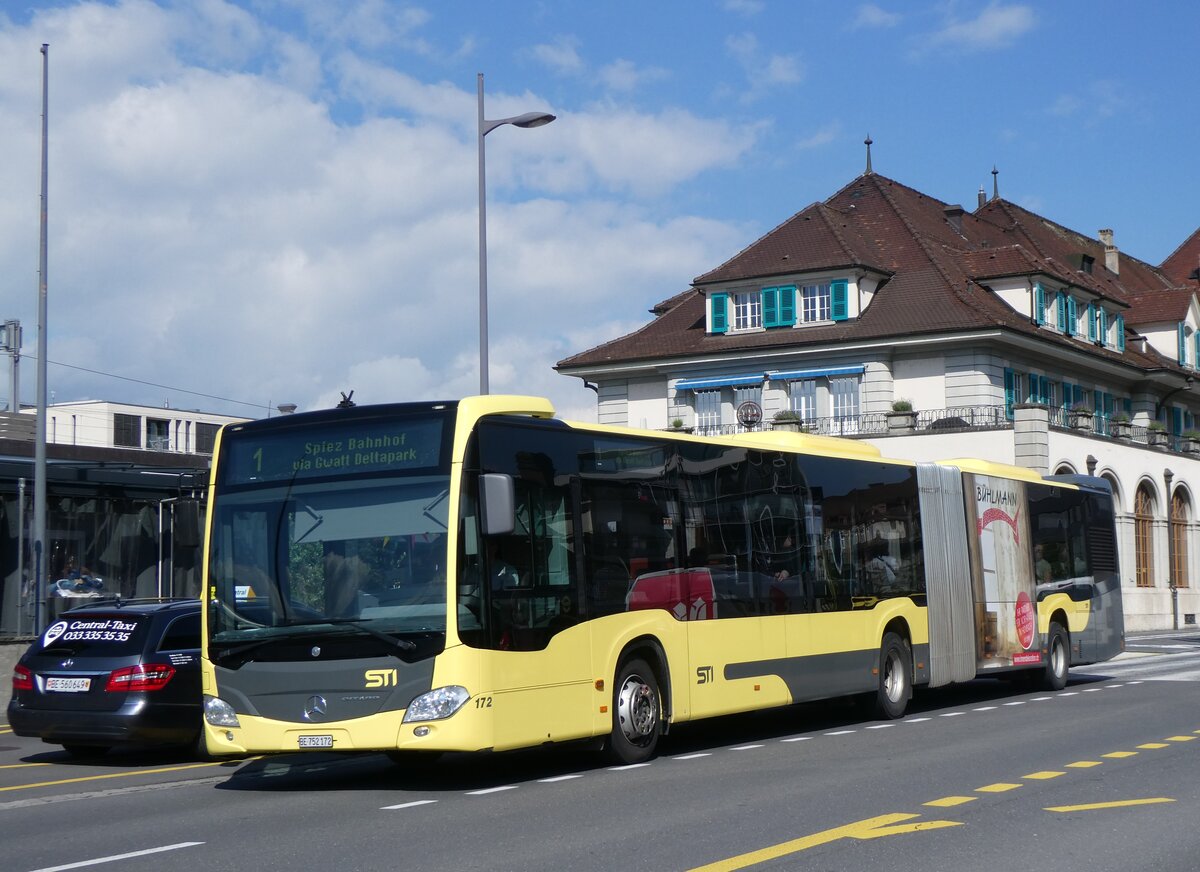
x,y
366,446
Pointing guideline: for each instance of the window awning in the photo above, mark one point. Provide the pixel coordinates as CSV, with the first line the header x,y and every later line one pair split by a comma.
x,y
699,384
795,374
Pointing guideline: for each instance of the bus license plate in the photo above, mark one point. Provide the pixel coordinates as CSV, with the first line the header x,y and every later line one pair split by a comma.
x,y
316,741
68,685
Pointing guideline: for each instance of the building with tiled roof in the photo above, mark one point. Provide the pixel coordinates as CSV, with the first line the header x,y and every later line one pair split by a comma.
x,y
999,327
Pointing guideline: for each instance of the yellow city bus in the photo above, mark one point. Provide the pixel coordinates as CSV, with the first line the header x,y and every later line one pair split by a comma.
x,y
480,575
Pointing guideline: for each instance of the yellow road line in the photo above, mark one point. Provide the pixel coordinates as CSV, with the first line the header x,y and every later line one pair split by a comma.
x,y
1151,746
948,801
1001,787
23,765
111,775
1084,764
1043,776
1093,806
1181,738
872,828
1120,755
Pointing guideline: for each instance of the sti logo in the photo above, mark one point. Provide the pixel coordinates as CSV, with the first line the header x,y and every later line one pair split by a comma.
x,y
380,677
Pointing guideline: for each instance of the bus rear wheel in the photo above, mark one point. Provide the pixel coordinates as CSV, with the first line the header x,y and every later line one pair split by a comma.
x,y
637,710
1053,676
895,677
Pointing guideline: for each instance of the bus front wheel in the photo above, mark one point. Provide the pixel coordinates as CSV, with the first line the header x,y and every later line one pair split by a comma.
x,y
895,677
636,709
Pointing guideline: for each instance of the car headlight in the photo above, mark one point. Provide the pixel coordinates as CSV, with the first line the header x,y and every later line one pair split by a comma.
x,y
219,713
437,704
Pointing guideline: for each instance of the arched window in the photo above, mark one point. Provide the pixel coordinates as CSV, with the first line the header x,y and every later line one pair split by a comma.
x,y
1143,531
1181,514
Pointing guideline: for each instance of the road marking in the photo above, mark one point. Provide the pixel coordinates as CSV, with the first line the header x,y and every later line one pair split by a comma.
x,y
1043,776
999,787
1092,806
1069,693
1018,702
915,720
1092,689
1116,685
806,738
692,756
951,714
871,828
111,775
745,747
1041,698
1120,755
885,726
948,801
627,767
985,708
412,804
558,778
840,733
1151,746
115,857
1084,764
488,790
1181,738
28,765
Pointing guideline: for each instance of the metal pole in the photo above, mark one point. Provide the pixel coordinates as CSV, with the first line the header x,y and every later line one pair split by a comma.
x,y
1171,576
24,588
39,469
483,311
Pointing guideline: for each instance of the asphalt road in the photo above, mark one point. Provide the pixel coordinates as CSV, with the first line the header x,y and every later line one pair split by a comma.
x,y
1102,776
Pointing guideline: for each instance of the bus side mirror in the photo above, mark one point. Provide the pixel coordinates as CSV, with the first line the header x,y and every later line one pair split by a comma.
x,y
497,504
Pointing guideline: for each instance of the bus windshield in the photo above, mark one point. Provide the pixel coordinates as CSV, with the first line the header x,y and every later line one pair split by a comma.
x,y
303,558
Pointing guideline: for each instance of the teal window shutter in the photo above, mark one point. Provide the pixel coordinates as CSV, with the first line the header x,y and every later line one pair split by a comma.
x,y
1196,350
1127,406
1182,343
1031,392
720,316
1039,304
770,307
1091,321
1062,311
1072,316
1008,393
1066,395
1176,420
1121,338
839,306
787,306
1079,392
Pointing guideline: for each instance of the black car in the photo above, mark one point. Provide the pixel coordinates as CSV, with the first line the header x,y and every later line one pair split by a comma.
x,y
110,674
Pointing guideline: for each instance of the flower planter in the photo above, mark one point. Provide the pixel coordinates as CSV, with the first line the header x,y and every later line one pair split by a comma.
x,y
1120,429
1082,421
901,422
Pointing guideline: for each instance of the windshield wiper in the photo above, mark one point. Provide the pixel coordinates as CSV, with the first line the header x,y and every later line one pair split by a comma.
x,y
402,644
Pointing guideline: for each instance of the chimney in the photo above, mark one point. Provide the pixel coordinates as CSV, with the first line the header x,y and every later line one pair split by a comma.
x,y
1110,252
982,197
954,216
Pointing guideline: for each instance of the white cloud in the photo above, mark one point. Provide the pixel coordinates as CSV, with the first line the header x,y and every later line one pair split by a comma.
x,y
625,75
872,16
764,72
822,136
213,227
743,7
997,26
561,56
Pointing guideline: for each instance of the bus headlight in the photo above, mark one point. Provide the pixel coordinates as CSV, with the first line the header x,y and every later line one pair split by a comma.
x,y
219,713
439,703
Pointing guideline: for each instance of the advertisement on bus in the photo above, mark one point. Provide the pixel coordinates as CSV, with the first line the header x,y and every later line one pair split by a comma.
x,y
1005,599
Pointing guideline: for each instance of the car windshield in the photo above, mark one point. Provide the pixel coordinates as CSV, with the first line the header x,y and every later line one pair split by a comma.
x,y
94,634
329,557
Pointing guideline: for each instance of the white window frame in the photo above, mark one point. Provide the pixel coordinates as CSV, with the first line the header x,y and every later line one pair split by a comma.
x,y
845,401
747,310
708,408
815,303
802,398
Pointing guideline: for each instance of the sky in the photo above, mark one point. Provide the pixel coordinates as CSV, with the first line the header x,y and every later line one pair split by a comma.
x,y
276,201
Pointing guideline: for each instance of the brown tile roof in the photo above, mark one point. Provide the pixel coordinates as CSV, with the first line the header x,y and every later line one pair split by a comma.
x,y
931,265
1183,266
1160,307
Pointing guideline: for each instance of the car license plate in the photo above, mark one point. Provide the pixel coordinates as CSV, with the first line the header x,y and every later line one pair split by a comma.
x,y
68,685
316,741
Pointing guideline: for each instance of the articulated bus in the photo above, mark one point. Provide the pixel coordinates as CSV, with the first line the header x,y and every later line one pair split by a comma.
x,y
475,575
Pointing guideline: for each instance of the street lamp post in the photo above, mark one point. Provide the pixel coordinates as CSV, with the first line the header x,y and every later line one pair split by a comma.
x,y
529,119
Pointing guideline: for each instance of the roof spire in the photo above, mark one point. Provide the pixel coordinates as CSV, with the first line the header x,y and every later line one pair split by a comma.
x,y
995,183
867,142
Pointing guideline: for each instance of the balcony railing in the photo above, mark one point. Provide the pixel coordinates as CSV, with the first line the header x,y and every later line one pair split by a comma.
x,y
961,419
